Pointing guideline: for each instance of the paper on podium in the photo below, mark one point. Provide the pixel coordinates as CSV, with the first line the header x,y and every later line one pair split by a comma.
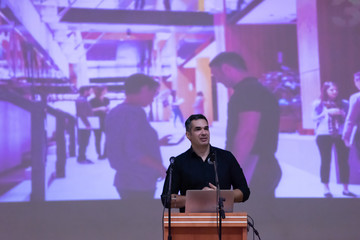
x,y
94,123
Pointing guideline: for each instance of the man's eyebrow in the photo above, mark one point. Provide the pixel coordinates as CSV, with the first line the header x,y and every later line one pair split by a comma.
x,y
197,128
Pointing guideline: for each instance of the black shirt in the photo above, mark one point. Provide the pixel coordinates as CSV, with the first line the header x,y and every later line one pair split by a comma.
x,y
250,95
190,172
95,103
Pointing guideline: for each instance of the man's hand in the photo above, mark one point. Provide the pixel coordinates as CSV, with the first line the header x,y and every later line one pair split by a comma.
x,y
164,141
210,187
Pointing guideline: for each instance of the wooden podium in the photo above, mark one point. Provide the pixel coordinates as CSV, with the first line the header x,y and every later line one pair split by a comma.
x,y
201,226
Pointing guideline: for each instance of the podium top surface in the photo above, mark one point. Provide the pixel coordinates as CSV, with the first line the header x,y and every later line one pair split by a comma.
x,y
238,219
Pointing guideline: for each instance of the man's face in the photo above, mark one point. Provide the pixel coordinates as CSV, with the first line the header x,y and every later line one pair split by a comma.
x,y
221,75
146,95
357,81
199,134
88,92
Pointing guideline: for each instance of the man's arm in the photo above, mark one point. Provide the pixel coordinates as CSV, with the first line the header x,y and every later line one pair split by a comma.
x,y
247,129
178,201
238,195
351,118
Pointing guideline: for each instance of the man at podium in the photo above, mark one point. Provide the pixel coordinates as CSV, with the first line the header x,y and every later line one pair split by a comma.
x,y
194,169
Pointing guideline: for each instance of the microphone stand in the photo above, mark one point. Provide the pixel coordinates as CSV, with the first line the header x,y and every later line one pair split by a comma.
x,y
219,200
172,159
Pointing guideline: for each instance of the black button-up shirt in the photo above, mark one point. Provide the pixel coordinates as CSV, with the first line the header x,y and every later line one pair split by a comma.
x,y
190,172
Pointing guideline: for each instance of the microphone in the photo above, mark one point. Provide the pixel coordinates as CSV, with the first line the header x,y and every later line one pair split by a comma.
x,y
219,199
170,170
168,200
172,160
211,159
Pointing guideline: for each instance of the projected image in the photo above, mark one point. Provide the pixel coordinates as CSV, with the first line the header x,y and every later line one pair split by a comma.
x,y
98,116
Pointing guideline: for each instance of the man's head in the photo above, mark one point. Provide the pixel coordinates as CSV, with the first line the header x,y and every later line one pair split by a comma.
x,y
141,89
357,80
197,130
228,68
100,91
85,91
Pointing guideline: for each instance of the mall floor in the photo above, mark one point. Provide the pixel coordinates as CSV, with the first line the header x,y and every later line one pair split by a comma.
x,y
297,155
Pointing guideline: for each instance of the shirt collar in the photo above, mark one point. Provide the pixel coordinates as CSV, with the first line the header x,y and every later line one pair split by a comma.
x,y
193,153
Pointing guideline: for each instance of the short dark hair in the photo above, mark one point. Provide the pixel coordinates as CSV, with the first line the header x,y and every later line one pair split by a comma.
x,y
232,58
192,118
135,82
83,89
98,90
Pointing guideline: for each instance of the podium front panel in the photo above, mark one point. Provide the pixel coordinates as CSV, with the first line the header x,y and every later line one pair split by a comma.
x,y
199,226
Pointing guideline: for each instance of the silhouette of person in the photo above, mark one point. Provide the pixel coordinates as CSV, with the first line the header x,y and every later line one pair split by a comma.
x,y
132,144
253,124
329,114
175,107
139,4
167,5
353,117
83,111
100,107
198,105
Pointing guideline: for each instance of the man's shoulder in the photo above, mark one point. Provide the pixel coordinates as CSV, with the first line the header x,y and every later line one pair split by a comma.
x,y
126,108
184,155
220,151
355,97
253,87
80,99
116,113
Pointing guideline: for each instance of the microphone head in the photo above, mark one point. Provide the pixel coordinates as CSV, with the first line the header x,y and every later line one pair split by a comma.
x,y
212,157
210,161
172,160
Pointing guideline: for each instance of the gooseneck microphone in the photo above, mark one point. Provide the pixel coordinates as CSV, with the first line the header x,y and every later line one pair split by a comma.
x,y
211,159
172,160
219,199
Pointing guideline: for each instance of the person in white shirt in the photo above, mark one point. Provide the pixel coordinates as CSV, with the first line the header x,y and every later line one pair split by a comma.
x,y
329,114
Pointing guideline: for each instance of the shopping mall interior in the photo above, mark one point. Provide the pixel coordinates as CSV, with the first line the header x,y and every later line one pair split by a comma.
x,y
51,48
